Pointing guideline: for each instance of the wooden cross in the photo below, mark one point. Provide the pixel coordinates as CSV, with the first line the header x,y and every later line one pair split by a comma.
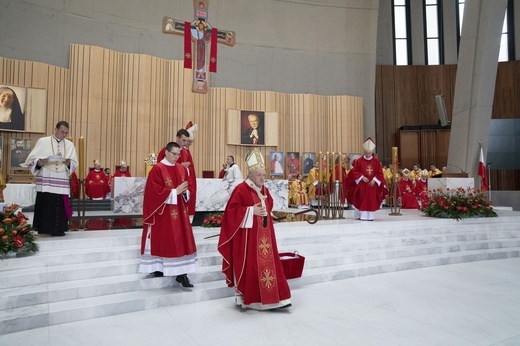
x,y
201,33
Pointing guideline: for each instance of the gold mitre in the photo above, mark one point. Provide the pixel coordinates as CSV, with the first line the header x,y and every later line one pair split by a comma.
x,y
123,164
254,160
424,173
369,145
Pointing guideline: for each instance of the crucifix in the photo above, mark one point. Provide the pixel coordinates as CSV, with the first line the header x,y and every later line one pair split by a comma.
x,y
201,33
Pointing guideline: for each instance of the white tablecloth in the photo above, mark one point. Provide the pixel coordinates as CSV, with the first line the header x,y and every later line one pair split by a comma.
x,y
22,194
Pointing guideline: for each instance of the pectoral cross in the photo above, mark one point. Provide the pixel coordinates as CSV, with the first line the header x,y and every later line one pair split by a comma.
x,y
200,32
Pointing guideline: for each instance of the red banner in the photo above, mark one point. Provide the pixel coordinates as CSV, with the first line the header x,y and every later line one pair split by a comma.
x,y
213,51
187,45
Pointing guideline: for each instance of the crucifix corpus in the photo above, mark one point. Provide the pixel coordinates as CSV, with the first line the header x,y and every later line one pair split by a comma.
x,y
200,32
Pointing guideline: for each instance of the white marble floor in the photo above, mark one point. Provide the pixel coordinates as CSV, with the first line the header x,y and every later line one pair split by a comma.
x,y
475,303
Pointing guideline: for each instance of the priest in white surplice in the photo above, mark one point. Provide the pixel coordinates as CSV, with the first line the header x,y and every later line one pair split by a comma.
x,y
52,160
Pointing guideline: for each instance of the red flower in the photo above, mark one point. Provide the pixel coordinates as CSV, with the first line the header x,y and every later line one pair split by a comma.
x,y
18,241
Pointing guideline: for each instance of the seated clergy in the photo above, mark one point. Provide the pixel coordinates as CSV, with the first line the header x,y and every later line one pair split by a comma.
x,y
96,182
407,190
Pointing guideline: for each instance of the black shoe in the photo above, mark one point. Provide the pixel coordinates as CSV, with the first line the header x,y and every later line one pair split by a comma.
x,y
158,274
183,280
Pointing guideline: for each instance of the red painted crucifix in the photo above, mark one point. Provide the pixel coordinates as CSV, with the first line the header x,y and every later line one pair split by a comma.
x,y
201,33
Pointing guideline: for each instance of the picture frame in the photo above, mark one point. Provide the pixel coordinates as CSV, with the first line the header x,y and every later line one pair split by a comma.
x,y
293,163
276,160
252,127
309,158
12,107
20,149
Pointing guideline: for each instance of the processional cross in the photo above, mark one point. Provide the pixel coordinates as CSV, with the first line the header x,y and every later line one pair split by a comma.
x,y
200,32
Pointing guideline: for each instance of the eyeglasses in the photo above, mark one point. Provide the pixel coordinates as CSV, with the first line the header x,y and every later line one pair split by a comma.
x,y
174,154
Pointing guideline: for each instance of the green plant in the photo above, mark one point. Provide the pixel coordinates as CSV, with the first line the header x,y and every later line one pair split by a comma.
x,y
457,204
16,235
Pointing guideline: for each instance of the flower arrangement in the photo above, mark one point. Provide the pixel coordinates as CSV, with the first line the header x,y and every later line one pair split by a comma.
x,y
457,204
16,235
214,220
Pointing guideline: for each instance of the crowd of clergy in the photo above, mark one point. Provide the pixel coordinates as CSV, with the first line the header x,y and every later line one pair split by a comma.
x,y
304,192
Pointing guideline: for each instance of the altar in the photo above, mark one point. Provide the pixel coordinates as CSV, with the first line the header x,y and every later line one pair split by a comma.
x,y
451,183
21,194
212,194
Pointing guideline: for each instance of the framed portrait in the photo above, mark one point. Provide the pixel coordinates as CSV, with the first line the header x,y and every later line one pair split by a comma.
x,y
252,128
352,158
12,107
308,162
293,163
20,149
276,163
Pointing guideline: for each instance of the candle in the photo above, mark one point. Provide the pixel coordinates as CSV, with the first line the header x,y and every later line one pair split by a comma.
x,y
341,168
327,166
333,166
81,158
394,164
318,158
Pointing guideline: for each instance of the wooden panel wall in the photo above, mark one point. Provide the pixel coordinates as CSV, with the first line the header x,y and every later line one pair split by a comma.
x,y
405,97
129,105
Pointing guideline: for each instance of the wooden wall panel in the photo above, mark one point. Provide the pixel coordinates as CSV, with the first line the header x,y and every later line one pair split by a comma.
x,y
128,105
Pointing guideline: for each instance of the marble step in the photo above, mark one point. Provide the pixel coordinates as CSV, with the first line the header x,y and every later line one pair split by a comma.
x,y
351,270
47,261
316,257
52,313
42,315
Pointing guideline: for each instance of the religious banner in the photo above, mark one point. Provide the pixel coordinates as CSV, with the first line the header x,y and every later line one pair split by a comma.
x,y
200,32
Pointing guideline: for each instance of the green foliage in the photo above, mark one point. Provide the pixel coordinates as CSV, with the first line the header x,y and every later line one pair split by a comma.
x,y
458,204
16,235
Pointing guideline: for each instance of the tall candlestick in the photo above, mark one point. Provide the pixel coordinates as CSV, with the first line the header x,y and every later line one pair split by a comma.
x,y
81,158
327,166
395,164
341,168
333,164
320,163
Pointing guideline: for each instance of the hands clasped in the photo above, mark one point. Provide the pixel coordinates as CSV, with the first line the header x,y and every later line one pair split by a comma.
x,y
182,188
259,210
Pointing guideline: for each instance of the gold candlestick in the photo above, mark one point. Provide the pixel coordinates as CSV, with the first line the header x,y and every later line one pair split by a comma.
x,y
394,164
81,158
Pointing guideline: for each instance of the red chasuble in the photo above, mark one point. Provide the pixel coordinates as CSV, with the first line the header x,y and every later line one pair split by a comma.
x,y
421,189
362,196
186,157
251,261
171,234
408,197
96,184
120,173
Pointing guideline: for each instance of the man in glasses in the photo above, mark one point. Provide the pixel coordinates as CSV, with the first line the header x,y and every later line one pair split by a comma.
x,y
167,245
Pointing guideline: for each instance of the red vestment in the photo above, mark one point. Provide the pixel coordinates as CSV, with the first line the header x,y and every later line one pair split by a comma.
x,y
120,173
96,184
361,195
421,189
408,196
293,166
186,157
74,185
171,232
250,255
